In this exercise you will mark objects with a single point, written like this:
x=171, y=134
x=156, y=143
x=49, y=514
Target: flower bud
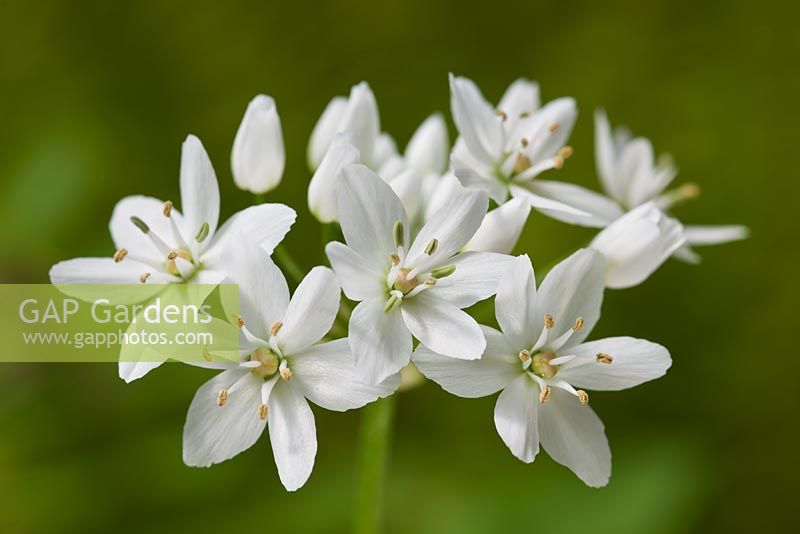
x=322, y=200
x=258, y=157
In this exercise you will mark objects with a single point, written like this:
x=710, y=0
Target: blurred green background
x=98, y=96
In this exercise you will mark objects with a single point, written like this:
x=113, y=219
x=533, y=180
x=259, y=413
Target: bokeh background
x=97, y=98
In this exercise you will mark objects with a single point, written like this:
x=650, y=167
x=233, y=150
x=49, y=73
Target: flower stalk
x=373, y=456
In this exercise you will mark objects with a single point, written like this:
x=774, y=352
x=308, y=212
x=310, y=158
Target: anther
x=565, y=152
x=544, y=395
x=395, y=258
x=167, y=210
x=143, y=278
x=583, y=397
x=431, y=247
x=553, y=127
x=239, y=320
x=524, y=142
x=578, y=326
x=524, y=355
x=444, y=271
x=689, y=190
x=502, y=114
x=262, y=412
x=202, y=234
x=399, y=233
x=120, y=255
x=549, y=323
x=558, y=162
x=522, y=163
x=206, y=354
x=286, y=373
x=172, y=255
x=602, y=357
x=430, y=282
x=524, y=115
x=140, y=225
x=275, y=328
x=222, y=397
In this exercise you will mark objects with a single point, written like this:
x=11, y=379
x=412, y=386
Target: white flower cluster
x=421, y=246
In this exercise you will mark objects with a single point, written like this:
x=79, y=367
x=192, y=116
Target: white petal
x=429, y=148
x=573, y=289
x=476, y=120
x=408, y=187
x=380, y=341
x=574, y=436
x=199, y=191
x=130, y=371
x=636, y=167
x=368, y=211
x=327, y=126
x=515, y=417
x=501, y=228
x=265, y=225
x=452, y=226
x=443, y=328
x=213, y=433
x=359, y=279
x=634, y=361
x=478, y=177
x=102, y=271
x=521, y=97
x=151, y=211
x=714, y=235
x=600, y=210
x=311, y=311
x=385, y=149
x=258, y=157
x=361, y=118
x=327, y=376
x=606, y=156
x=444, y=189
x=293, y=435
x=561, y=111
x=636, y=244
x=515, y=304
x=322, y=201
x=475, y=278
x=496, y=368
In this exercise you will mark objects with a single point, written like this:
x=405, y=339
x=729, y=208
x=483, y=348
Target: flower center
x=171, y=266
x=540, y=364
x=269, y=361
x=403, y=282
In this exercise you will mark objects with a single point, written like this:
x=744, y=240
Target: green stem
x=285, y=260
x=375, y=434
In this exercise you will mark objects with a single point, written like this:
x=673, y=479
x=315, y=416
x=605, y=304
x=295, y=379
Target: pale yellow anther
x=553, y=127
x=275, y=328
x=558, y=162
x=578, y=326
x=395, y=258
x=524, y=141
x=502, y=114
x=143, y=278
x=549, y=322
x=583, y=397
x=689, y=190
x=524, y=355
x=522, y=163
x=430, y=282
x=222, y=397
x=565, y=152
x=544, y=395
x=167, y=208
x=286, y=373
x=120, y=255
x=172, y=255
x=238, y=319
x=263, y=411
x=206, y=354
x=602, y=357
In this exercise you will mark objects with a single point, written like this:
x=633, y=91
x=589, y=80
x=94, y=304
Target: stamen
x=238, y=319
x=167, y=209
x=399, y=233
x=120, y=255
x=222, y=397
x=262, y=412
x=544, y=395
x=286, y=373
x=502, y=114
x=143, y=278
x=549, y=322
x=565, y=152
x=430, y=282
x=578, y=326
x=404, y=282
x=524, y=355
x=172, y=255
x=583, y=397
x=431, y=247
x=558, y=162
x=202, y=234
x=524, y=142
x=553, y=127
x=140, y=225
x=395, y=258
x=206, y=354
x=602, y=357
x=443, y=272
x=522, y=163
x=275, y=328
x=393, y=302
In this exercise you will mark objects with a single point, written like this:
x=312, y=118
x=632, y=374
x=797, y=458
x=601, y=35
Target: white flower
x=406, y=287
x=322, y=188
x=502, y=150
x=257, y=157
x=357, y=115
x=538, y=359
x=636, y=244
x=282, y=366
x=631, y=176
x=156, y=244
